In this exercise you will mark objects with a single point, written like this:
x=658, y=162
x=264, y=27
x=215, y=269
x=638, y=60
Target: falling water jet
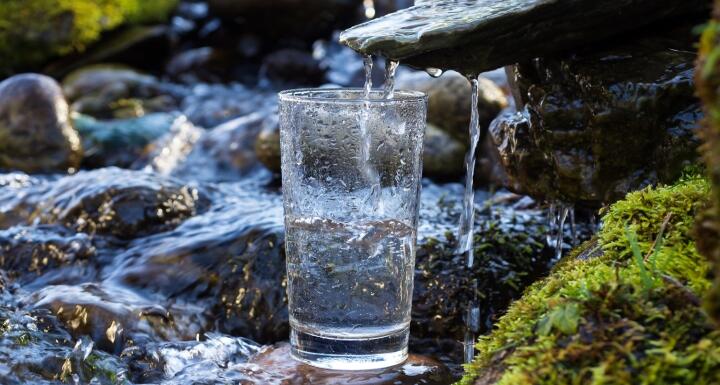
x=558, y=214
x=467, y=217
x=573, y=228
x=368, y=66
x=562, y=216
x=371, y=174
x=389, y=86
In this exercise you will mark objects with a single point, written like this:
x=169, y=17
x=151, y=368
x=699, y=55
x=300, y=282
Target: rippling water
x=174, y=272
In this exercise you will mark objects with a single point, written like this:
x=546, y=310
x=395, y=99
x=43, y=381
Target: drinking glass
x=351, y=173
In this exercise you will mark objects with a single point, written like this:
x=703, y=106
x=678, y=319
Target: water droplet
x=434, y=72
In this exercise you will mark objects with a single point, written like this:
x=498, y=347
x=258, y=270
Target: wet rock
x=218, y=359
x=267, y=147
x=275, y=367
x=139, y=46
x=443, y=155
x=232, y=268
x=290, y=18
x=221, y=359
x=114, y=318
x=449, y=100
x=19, y=194
x=112, y=91
x=204, y=64
x=510, y=254
x=292, y=67
x=476, y=36
x=120, y=143
x=596, y=125
x=36, y=134
x=36, y=349
x=35, y=250
x=122, y=203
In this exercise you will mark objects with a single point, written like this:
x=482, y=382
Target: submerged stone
x=276, y=367
x=115, y=318
x=36, y=349
x=121, y=142
x=36, y=134
x=234, y=269
x=473, y=36
x=594, y=125
x=35, y=250
x=122, y=203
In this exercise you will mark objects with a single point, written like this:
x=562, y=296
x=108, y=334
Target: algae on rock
x=60, y=27
x=622, y=309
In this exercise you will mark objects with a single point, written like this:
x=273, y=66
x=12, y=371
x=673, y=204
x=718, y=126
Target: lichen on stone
x=60, y=27
x=631, y=314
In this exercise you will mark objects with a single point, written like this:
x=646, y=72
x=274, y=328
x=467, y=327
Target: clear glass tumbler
x=351, y=170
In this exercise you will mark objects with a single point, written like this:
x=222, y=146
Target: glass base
x=349, y=354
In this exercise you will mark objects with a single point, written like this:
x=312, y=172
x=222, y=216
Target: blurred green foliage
x=33, y=31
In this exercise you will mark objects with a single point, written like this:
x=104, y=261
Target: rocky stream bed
x=141, y=221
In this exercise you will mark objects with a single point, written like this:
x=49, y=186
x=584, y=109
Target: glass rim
x=311, y=95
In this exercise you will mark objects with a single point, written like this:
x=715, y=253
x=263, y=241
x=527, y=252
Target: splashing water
x=558, y=214
x=389, y=86
x=467, y=217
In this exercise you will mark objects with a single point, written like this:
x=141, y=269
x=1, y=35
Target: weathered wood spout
x=472, y=36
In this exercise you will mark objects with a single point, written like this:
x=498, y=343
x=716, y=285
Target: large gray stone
x=473, y=36
x=36, y=134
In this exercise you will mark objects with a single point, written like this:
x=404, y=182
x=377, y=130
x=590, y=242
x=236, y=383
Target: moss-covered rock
x=708, y=85
x=624, y=309
x=60, y=27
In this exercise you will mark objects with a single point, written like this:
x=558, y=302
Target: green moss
x=620, y=317
x=60, y=27
x=707, y=79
